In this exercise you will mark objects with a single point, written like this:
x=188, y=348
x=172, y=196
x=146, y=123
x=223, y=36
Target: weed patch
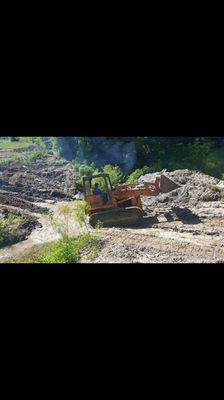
x=9, y=229
x=69, y=250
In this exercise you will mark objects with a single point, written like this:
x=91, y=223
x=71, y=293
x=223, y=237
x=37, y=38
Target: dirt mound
x=196, y=188
x=50, y=178
x=10, y=199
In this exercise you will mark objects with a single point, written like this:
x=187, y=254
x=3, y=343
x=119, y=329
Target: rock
x=79, y=196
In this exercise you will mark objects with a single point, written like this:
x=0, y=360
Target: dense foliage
x=156, y=153
x=153, y=153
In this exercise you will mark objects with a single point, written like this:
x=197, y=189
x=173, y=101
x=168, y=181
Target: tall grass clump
x=69, y=249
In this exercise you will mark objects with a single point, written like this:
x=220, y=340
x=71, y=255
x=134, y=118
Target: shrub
x=69, y=250
x=88, y=169
x=34, y=156
x=63, y=252
x=84, y=170
x=134, y=176
x=75, y=211
x=80, y=210
x=115, y=173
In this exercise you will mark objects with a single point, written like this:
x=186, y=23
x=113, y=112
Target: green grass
x=8, y=145
x=27, y=159
x=69, y=250
x=28, y=156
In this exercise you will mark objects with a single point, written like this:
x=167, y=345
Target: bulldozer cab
x=103, y=181
x=100, y=200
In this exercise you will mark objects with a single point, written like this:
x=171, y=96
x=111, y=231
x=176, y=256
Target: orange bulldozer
x=120, y=205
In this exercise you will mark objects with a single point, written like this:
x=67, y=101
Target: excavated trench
x=185, y=225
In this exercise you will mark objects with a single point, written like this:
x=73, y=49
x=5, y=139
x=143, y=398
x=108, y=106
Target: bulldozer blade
x=167, y=185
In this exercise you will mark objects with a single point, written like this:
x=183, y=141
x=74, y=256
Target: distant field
x=8, y=145
x=22, y=150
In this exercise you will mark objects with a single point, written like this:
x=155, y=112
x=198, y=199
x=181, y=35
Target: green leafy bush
x=62, y=252
x=134, y=176
x=88, y=169
x=84, y=170
x=115, y=173
x=69, y=250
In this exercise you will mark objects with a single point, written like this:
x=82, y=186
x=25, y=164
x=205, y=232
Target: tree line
x=205, y=154
x=153, y=153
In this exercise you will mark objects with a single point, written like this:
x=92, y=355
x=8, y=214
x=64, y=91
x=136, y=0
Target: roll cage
x=87, y=182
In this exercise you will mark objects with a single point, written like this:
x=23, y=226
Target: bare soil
x=183, y=226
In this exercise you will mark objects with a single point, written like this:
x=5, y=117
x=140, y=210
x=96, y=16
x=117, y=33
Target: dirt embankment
x=27, y=189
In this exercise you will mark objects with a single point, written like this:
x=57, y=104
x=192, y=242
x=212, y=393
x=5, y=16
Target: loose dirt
x=183, y=226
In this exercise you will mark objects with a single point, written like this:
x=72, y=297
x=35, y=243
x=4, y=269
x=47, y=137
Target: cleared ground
x=185, y=225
